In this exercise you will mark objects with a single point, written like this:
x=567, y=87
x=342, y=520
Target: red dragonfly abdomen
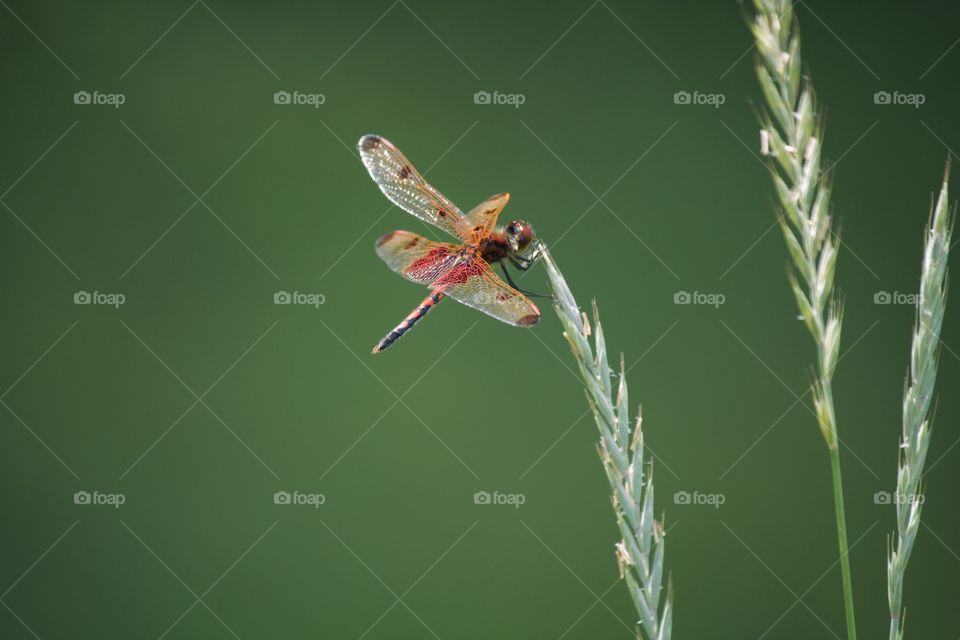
x=435, y=296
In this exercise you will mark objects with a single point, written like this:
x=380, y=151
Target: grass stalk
x=641, y=548
x=791, y=136
x=917, y=397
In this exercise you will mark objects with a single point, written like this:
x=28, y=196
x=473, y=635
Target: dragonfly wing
x=483, y=217
x=474, y=284
x=405, y=187
x=416, y=258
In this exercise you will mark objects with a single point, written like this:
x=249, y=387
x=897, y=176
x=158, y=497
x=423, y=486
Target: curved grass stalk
x=791, y=135
x=640, y=550
x=916, y=401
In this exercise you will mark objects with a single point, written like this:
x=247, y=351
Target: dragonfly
x=463, y=270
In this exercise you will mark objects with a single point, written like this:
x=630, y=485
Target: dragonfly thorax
x=494, y=247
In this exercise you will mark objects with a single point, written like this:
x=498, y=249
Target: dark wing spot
x=441, y=212
x=530, y=320
x=369, y=143
x=478, y=228
x=413, y=242
x=404, y=172
x=385, y=238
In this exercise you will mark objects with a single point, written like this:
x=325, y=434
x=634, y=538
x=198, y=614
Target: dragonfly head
x=519, y=235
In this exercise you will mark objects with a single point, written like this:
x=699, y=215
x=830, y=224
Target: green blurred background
x=199, y=398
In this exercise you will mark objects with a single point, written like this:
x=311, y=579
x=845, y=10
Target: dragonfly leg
x=529, y=294
x=525, y=262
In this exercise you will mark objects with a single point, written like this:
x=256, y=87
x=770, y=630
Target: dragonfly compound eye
x=525, y=236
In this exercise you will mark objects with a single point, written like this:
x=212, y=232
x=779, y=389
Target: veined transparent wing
x=416, y=258
x=483, y=217
x=473, y=283
x=405, y=187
